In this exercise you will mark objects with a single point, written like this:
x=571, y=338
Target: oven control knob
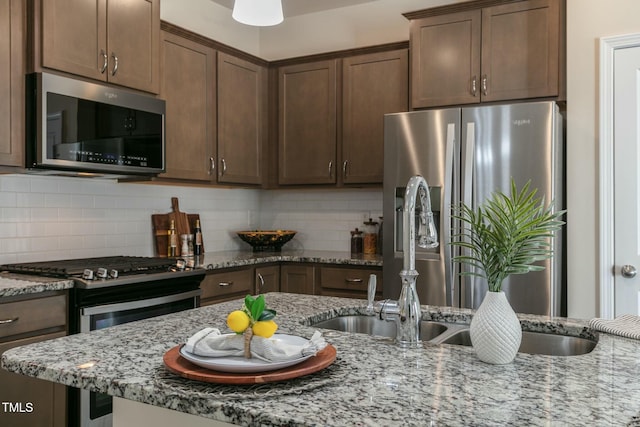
x=102, y=273
x=88, y=274
x=113, y=274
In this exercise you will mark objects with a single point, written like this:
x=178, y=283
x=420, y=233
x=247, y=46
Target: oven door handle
x=132, y=305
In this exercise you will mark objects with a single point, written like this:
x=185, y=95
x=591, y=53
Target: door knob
x=629, y=271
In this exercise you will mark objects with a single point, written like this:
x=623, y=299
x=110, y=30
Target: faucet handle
x=371, y=292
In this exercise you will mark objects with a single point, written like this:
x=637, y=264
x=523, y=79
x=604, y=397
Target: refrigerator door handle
x=446, y=212
x=467, y=282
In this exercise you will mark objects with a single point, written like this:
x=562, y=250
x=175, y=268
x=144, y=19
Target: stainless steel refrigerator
x=465, y=154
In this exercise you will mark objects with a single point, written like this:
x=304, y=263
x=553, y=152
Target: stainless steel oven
x=96, y=408
x=111, y=291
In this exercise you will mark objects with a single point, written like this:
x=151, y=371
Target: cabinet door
x=226, y=285
x=445, y=59
x=188, y=87
x=299, y=279
x=74, y=35
x=373, y=85
x=520, y=50
x=267, y=279
x=12, y=69
x=133, y=34
x=348, y=282
x=307, y=132
x=241, y=119
x=43, y=403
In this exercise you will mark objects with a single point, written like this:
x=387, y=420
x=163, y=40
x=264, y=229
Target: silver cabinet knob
x=629, y=271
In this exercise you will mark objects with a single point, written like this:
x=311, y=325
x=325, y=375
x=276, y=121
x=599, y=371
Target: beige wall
x=587, y=21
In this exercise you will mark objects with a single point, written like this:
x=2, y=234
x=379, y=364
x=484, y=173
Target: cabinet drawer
x=33, y=315
x=227, y=283
x=347, y=278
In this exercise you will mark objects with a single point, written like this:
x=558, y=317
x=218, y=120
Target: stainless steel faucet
x=406, y=310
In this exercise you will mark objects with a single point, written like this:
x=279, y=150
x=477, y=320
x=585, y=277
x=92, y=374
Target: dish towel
x=626, y=325
x=209, y=342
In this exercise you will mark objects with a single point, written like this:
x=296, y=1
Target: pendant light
x=260, y=13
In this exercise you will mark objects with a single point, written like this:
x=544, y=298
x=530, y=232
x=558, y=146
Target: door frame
x=608, y=46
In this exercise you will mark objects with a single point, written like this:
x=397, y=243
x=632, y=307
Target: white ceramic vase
x=495, y=330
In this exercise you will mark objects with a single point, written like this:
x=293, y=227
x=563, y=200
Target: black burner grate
x=125, y=265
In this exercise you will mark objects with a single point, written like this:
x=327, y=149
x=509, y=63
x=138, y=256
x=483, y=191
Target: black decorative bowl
x=266, y=240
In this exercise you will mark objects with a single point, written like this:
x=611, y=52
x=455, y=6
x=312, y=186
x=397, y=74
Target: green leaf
x=506, y=235
x=248, y=302
x=257, y=307
x=267, y=314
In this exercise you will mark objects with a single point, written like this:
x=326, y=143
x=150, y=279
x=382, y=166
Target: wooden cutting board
x=184, y=223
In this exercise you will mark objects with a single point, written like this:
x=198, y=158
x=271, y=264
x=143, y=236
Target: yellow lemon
x=238, y=321
x=264, y=328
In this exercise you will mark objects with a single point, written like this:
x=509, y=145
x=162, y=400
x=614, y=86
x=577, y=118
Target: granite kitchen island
x=372, y=382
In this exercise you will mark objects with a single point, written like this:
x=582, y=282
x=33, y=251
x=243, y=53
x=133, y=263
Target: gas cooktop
x=106, y=271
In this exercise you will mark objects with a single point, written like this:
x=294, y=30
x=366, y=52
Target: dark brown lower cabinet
x=27, y=401
x=299, y=279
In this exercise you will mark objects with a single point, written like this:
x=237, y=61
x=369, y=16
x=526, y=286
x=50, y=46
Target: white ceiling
x=302, y=7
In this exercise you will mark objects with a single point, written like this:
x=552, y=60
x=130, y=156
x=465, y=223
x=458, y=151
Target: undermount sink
x=373, y=325
x=458, y=334
x=537, y=343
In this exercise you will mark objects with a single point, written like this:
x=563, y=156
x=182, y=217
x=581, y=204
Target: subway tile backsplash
x=46, y=218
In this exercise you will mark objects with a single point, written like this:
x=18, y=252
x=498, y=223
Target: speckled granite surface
x=217, y=260
x=371, y=383
x=19, y=284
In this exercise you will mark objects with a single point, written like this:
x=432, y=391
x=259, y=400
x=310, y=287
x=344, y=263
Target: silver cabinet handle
x=484, y=84
x=344, y=168
x=261, y=279
x=115, y=64
x=223, y=169
x=212, y=165
x=330, y=168
x=7, y=321
x=474, y=86
x=105, y=61
x=225, y=284
x=629, y=271
x=354, y=280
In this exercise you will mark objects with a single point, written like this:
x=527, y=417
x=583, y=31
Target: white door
x=626, y=120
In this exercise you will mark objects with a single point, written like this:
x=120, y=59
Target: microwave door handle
x=446, y=211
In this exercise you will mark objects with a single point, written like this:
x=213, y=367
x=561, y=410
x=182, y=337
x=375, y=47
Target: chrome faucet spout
x=406, y=311
x=417, y=190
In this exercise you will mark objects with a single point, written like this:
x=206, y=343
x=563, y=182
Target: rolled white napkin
x=626, y=325
x=209, y=342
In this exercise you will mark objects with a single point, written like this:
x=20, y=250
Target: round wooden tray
x=181, y=366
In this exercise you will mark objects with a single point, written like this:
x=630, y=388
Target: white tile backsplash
x=46, y=218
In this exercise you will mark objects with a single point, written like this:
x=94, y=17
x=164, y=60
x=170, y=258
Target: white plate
x=237, y=364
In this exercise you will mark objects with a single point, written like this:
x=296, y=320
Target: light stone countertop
x=20, y=284
x=12, y=285
x=218, y=260
x=372, y=382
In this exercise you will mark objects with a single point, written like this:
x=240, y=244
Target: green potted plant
x=507, y=234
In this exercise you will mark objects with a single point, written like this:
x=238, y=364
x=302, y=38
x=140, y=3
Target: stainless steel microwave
x=78, y=127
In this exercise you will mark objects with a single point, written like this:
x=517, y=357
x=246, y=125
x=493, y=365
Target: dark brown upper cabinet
x=12, y=83
x=505, y=51
x=372, y=85
x=109, y=40
x=307, y=123
x=241, y=120
x=189, y=89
